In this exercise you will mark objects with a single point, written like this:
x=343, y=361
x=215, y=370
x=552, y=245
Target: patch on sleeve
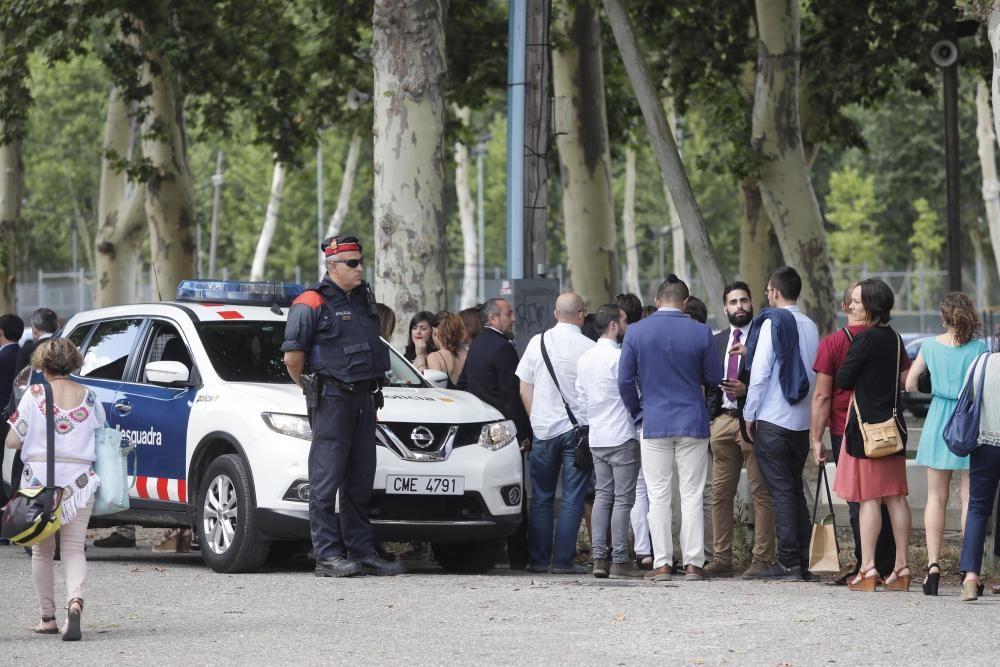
x=310, y=298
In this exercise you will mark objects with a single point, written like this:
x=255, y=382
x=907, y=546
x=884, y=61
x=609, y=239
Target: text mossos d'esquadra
x=149, y=436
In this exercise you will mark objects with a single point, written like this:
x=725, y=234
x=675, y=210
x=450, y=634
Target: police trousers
x=342, y=464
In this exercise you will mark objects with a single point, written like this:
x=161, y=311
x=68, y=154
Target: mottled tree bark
x=409, y=62
x=760, y=254
x=669, y=159
x=467, y=219
x=628, y=224
x=274, y=198
x=678, y=246
x=988, y=166
x=121, y=214
x=785, y=182
x=11, y=186
x=584, y=156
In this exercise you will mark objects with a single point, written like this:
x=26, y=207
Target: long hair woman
x=984, y=475
x=448, y=333
x=947, y=357
x=420, y=344
x=872, y=370
x=78, y=414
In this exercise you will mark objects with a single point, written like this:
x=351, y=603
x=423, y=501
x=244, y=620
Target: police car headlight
x=296, y=426
x=497, y=435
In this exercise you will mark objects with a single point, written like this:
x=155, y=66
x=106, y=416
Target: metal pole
x=952, y=176
x=217, y=182
x=320, y=215
x=515, y=138
x=481, y=220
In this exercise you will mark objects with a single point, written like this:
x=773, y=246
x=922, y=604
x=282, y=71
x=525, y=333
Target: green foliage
x=853, y=209
x=926, y=243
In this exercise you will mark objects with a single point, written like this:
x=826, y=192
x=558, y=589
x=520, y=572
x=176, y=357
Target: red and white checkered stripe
x=159, y=488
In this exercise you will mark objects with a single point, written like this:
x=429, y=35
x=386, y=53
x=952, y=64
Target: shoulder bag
x=961, y=431
x=582, y=457
x=36, y=513
x=882, y=439
x=113, y=449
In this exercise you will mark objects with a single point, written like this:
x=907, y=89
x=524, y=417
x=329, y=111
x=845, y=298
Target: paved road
x=147, y=608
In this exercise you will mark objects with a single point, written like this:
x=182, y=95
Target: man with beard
x=731, y=448
x=612, y=442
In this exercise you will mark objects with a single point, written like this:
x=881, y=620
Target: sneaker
x=575, y=568
x=755, y=568
x=663, y=573
x=115, y=541
x=601, y=568
x=810, y=576
x=778, y=572
x=718, y=568
x=537, y=569
x=626, y=571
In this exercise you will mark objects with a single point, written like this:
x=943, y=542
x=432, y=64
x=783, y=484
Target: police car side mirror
x=167, y=372
x=437, y=378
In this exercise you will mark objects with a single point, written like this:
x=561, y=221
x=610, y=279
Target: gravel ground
x=151, y=608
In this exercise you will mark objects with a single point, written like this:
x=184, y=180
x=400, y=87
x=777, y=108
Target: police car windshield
x=248, y=351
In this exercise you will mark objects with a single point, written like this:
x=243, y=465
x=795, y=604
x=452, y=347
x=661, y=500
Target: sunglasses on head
x=351, y=263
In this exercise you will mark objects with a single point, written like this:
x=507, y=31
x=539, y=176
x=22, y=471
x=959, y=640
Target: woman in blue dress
x=948, y=357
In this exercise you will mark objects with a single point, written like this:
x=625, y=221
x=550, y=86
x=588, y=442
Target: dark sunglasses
x=351, y=263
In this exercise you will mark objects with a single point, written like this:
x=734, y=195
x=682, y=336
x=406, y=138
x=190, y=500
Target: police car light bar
x=238, y=292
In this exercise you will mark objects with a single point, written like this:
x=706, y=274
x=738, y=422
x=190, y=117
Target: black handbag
x=34, y=514
x=582, y=457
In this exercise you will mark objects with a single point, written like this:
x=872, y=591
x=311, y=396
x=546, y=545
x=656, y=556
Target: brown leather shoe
x=755, y=568
x=694, y=573
x=601, y=568
x=626, y=571
x=718, y=568
x=660, y=574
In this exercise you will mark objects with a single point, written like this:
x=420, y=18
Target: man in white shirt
x=612, y=443
x=779, y=427
x=554, y=437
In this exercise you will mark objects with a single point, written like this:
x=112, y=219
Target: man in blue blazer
x=667, y=359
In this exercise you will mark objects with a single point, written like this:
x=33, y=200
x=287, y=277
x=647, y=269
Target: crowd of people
x=673, y=413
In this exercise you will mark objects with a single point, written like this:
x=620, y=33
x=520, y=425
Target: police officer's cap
x=340, y=243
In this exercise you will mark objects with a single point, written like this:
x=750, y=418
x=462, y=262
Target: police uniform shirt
x=337, y=333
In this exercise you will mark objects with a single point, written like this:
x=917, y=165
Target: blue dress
x=948, y=366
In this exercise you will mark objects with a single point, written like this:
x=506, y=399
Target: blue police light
x=238, y=292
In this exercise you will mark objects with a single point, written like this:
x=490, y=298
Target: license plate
x=424, y=485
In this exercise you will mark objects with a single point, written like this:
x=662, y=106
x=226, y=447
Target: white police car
x=223, y=439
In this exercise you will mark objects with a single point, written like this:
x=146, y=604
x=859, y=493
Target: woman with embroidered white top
x=77, y=414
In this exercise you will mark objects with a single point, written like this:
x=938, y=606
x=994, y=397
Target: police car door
x=153, y=410
x=107, y=347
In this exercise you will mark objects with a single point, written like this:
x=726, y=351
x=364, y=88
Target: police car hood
x=403, y=404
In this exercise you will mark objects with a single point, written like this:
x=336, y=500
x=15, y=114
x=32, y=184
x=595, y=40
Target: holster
x=311, y=387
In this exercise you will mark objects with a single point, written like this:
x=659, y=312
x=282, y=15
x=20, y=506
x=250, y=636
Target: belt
x=732, y=412
x=351, y=387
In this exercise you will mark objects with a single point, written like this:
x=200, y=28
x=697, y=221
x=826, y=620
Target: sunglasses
x=351, y=263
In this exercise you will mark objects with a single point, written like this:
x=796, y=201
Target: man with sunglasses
x=334, y=327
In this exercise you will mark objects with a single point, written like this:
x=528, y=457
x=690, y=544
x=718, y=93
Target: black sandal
x=932, y=580
x=72, y=632
x=39, y=630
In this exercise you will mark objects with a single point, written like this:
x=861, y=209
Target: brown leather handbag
x=883, y=438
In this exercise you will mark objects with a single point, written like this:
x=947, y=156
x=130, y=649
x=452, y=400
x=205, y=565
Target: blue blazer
x=667, y=359
x=785, y=341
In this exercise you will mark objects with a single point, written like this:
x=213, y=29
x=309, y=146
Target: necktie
x=732, y=369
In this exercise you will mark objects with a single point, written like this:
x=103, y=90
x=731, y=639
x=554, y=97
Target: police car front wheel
x=227, y=522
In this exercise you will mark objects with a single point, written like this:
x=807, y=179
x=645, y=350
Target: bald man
x=554, y=436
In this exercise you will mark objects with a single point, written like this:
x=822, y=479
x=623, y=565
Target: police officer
x=335, y=324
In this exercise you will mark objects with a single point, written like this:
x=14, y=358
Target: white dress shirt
x=726, y=403
x=565, y=344
x=765, y=400
x=597, y=392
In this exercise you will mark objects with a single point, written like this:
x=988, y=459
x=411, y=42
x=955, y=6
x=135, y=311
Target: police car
x=223, y=439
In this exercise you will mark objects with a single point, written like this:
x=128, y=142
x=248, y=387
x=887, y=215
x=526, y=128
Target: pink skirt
x=870, y=479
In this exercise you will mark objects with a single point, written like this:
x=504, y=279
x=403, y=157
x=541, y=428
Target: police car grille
x=468, y=434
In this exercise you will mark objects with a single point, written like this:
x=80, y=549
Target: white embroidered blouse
x=74, y=445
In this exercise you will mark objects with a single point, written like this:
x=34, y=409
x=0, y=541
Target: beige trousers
x=729, y=453
x=72, y=537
